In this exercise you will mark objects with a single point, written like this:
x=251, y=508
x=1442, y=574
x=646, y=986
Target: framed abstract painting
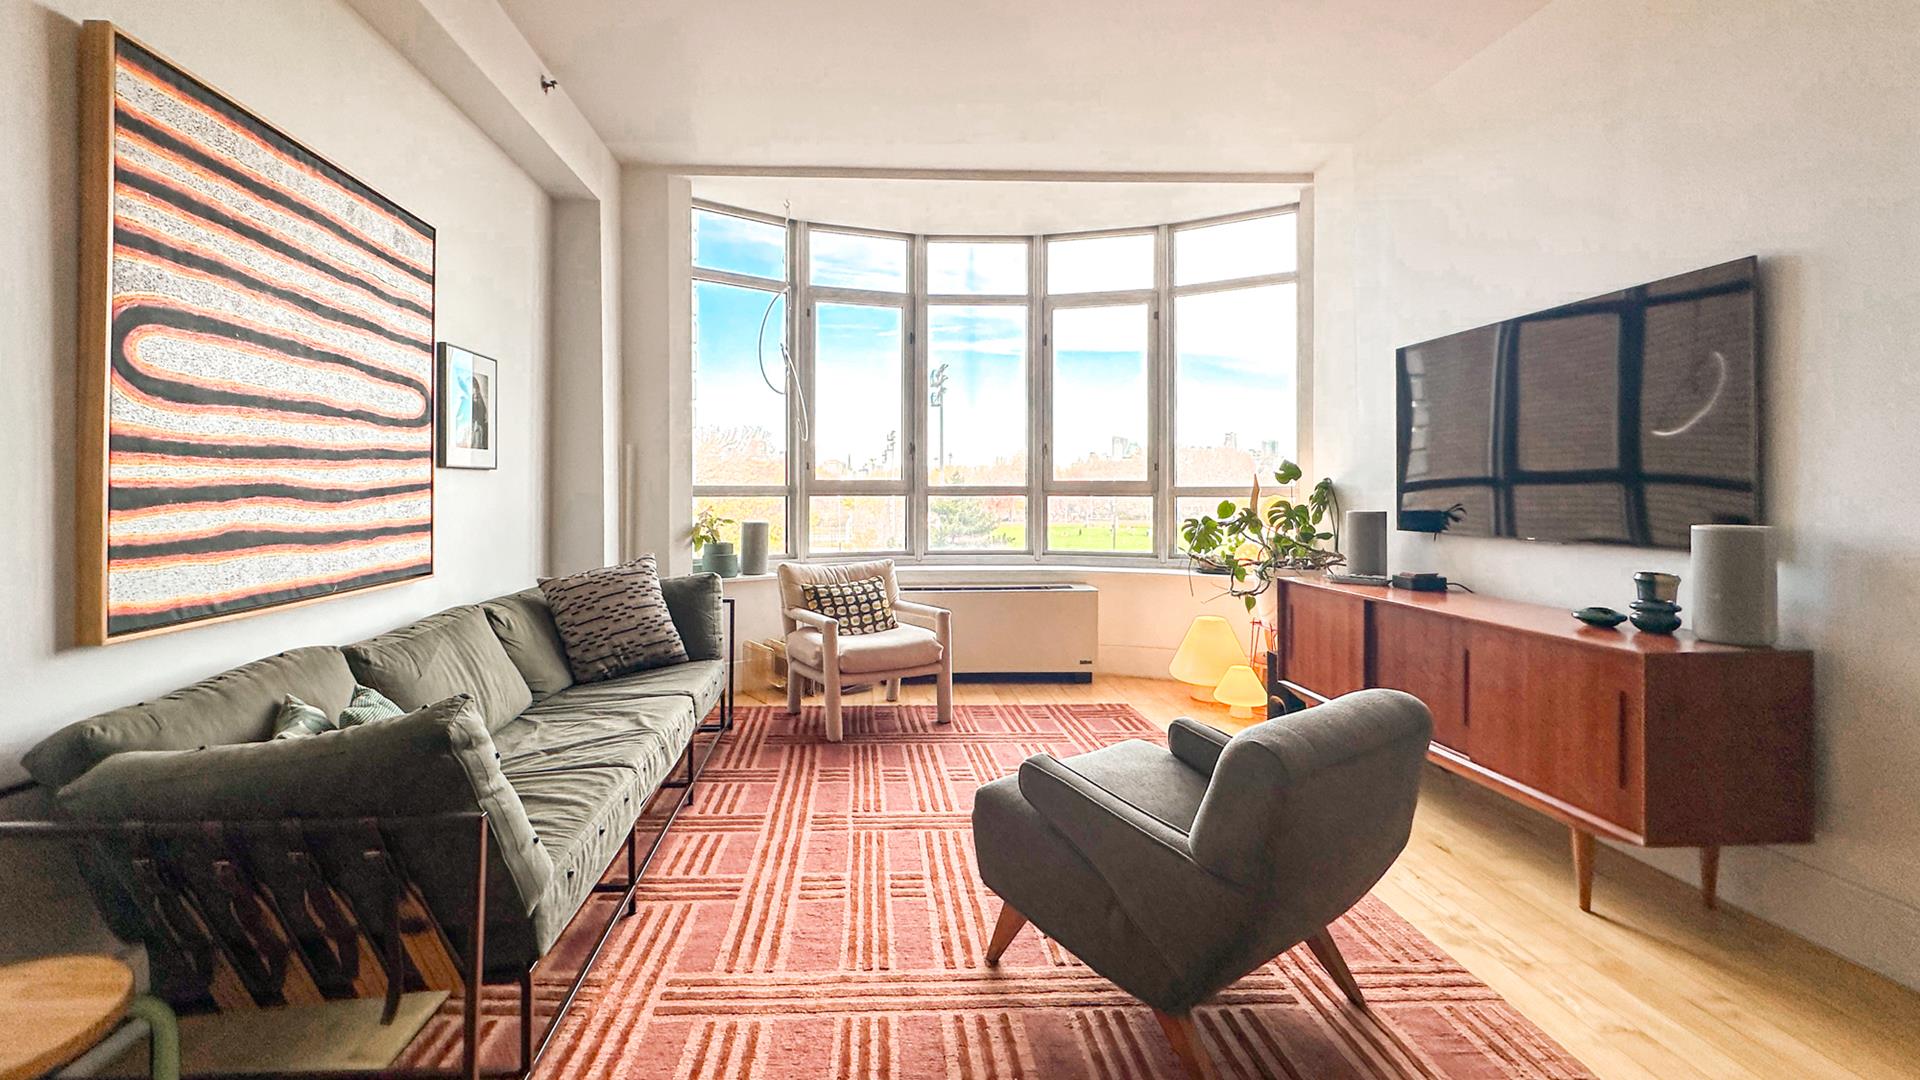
x=469, y=409
x=256, y=366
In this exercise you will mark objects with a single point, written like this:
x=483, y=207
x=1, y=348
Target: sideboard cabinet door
x=1326, y=640
x=1561, y=718
x=1425, y=655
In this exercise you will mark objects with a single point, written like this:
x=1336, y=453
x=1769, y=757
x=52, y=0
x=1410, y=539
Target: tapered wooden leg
x=1583, y=867
x=1185, y=1040
x=1328, y=953
x=1003, y=931
x=1710, y=877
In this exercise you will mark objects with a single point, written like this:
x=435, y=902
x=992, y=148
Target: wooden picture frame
x=256, y=366
x=469, y=409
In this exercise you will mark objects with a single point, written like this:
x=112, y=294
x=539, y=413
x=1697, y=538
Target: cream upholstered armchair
x=817, y=650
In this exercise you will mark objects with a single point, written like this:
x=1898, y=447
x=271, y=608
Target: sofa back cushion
x=454, y=652
x=695, y=601
x=524, y=624
x=236, y=706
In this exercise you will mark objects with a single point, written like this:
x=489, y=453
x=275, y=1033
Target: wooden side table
x=56, y=1008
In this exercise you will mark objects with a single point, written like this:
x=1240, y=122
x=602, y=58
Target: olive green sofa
x=561, y=770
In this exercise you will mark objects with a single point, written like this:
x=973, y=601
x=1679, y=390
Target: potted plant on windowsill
x=1254, y=545
x=719, y=556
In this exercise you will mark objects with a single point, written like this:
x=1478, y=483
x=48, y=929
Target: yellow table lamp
x=1240, y=688
x=1208, y=650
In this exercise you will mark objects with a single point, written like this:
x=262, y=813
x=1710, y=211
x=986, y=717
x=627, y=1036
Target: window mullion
x=805, y=407
x=1039, y=397
x=916, y=406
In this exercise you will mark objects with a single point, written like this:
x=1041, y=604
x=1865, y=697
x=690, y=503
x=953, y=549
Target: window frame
x=791, y=450
x=1161, y=484
x=1174, y=489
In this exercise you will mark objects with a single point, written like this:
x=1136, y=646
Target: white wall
x=319, y=72
x=1605, y=143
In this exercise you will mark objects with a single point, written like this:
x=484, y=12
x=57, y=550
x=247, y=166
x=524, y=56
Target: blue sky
x=1234, y=349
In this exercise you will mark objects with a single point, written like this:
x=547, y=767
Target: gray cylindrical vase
x=1365, y=542
x=753, y=547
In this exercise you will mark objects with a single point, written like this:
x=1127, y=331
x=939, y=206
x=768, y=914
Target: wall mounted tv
x=1624, y=419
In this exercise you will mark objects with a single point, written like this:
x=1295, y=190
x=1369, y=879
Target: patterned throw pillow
x=861, y=607
x=614, y=620
x=298, y=720
x=367, y=706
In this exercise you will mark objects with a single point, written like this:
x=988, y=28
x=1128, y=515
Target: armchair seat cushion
x=897, y=649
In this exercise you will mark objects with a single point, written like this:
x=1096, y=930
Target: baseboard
x=1858, y=924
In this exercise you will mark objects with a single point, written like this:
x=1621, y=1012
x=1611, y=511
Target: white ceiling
x=977, y=207
x=1230, y=85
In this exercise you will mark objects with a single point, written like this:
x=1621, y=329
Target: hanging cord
x=791, y=374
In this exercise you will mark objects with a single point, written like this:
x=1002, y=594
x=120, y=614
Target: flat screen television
x=1624, y=419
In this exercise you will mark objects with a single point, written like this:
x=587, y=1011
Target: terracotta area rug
x=817, y=913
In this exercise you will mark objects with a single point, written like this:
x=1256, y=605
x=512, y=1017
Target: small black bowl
x=1603, y=617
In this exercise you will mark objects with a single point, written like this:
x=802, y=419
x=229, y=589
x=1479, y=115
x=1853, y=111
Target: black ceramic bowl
x=1604, y=617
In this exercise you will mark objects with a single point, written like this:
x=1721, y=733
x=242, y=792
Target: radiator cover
x=1028, y=629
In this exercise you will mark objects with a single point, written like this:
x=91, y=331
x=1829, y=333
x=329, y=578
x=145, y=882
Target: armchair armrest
x=1186, y=911
x=1197, y=745
x=813, y=620
x=941, y=619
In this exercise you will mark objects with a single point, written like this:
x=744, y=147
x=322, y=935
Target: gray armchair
x=1175, y=871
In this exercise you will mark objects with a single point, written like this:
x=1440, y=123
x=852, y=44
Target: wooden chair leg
x=1185, y=1040
x=1328, y=953
x=1003, y=931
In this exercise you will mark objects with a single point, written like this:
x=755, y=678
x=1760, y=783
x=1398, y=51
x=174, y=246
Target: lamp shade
x=1205, y=654
x=1240, y=688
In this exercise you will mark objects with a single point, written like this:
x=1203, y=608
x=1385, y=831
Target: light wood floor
x=1649, y=986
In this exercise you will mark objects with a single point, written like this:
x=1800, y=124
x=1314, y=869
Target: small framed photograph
x=469, y=409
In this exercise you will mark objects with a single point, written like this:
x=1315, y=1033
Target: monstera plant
x=1254, y=544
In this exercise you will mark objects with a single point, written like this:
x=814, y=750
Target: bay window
x=990, y=398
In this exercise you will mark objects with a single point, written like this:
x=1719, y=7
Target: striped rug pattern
x=817, y=913
x=270, y=401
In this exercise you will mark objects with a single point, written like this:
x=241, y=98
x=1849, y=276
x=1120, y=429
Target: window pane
x=956, y=266
x=857, y=523
x=857, y=386
x=1100, y=393
x=977, y=395
x=771, y=509
x=1100, y=263
x=977, y=522
x=739, y=245
x=1100, y=523
x=1194, y=505
x=852, y=261
x=1235, y=249
x=1234, y=384
x=739, y=409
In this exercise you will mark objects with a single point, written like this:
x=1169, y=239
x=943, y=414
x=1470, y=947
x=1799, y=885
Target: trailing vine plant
x=1253, y=545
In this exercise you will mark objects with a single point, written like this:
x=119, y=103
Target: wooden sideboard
x=1648, y=739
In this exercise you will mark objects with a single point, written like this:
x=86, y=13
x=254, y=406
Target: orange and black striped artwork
x=268, y=393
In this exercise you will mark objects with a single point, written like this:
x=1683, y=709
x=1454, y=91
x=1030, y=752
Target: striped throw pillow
x=368, y=705
x=299, y=720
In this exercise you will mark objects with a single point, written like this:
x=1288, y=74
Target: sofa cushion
x=614, y=620
x=454, y=652
x=434, y=760
x=1153, y=780
x=236, y=706
x=902, y=647
x=700, y=682
x=524, y=624
x=584, y=762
